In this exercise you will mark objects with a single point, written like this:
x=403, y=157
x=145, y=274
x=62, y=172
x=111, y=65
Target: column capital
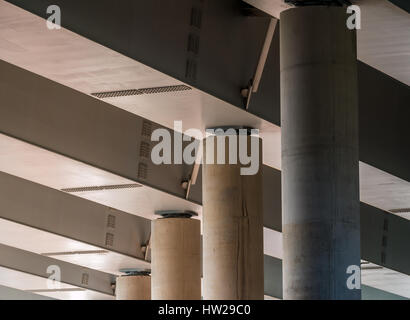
x=176, y=213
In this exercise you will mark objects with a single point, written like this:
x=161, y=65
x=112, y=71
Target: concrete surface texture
x=175, y=259
x=320, y=174
x=232, y=230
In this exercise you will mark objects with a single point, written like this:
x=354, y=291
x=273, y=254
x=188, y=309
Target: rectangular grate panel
x=84, y=278
x=196, y=17
x=190, y=69
x=146, y=130
x=142, y=170
x=111, y=221
x=109, y=239
x=145, y=149
x=193, y=43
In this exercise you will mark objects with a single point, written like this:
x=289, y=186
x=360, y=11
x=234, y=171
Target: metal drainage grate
x=135, y=92
x=55, y=290
x=401, y=210
x=69, y=253
x=165, y=89
x=99, y=188
x=115, y=94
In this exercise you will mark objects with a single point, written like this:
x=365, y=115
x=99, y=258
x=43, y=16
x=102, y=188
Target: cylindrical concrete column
x=175, y=258
x=320, y=174
x=232, y=223
x=133, y=287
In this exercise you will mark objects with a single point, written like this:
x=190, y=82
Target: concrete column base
x=175, y=259
x=133, y=288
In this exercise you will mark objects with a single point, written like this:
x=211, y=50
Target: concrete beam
x=32, y=273
x=7, y=293
x=70, y=228
x=273, y=283
x=385, y=238
x=81, y=127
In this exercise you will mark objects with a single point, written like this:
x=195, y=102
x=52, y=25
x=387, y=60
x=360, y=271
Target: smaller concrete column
x=175, y=256
x=232, y=219
x=136, y=285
